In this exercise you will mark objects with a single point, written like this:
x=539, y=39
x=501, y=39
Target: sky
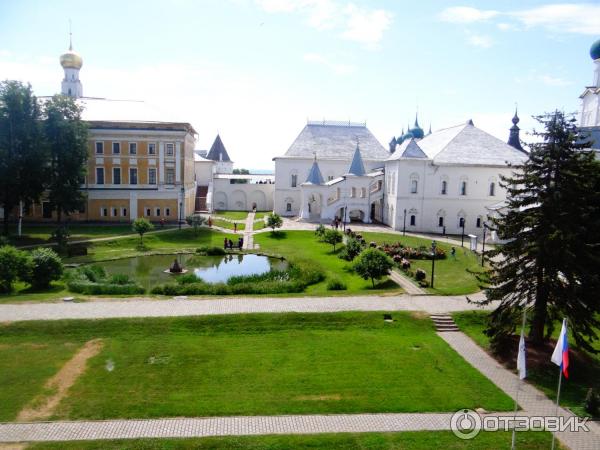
x=254, y=71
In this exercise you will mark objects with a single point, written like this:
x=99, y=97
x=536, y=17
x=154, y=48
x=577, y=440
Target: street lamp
x=462, y=238
x=181, y=206
x=483, y=244
x=404, y=228
x=433, y=247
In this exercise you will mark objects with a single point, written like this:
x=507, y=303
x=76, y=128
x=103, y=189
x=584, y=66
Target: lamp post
x=462, y=237
x=433, y=247
x=404, y=227
x=181, y=206
x=483, y=244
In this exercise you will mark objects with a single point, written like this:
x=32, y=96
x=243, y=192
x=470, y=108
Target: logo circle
x=465, y=424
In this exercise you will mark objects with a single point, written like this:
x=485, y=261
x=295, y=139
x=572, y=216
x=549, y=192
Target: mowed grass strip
x=304, y=245
x=413, y=440
x=453, y=276
x=267, y=364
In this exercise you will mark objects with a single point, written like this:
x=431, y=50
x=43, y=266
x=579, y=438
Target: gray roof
x=468, y=145
x=408, y=149
x=329, y=141
x=314, y=176
x=357, y=167
x=217, y=152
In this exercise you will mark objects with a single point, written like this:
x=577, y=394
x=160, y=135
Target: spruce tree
x=550, y=261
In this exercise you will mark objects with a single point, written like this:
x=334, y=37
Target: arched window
x=414, y=186
x=294, y=181
x=440, y=221
x=492, y=189
x=444, y=187
x=413, y=220
x=461, y=222
x=463, y=188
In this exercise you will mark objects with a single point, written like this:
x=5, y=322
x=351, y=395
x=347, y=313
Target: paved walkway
x=531, y=400
x=406, y=283
x=171, y=308
x=248, y=232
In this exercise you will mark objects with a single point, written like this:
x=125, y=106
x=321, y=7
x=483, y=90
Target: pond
x=149, y=270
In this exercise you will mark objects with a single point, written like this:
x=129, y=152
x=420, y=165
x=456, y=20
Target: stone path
x=532, y=400
x=170, y=308
x=406, y=283
x=248, y=232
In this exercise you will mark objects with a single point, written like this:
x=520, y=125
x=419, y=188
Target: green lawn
x=414, y=440
x=40, y=234
x=231, y=215
x=254, y=364
x=228, y=225
x=583, y=372
x=304, y=245
x=453, y=276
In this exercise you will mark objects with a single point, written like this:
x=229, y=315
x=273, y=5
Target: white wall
x=241, y=197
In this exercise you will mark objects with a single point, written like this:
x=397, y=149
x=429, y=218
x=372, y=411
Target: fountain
x=176, y=268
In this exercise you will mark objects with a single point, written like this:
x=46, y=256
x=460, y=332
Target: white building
x=589, y=120
x=442, y=182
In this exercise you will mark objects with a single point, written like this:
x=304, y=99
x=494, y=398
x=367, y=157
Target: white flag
x=521, y=366
x=557, y=354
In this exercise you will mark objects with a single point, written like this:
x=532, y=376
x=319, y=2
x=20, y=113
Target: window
x=444, y=187
x=116, y=148
x=492, y=189
x=363, y=192
x=99, y=175
x=116, y=175
x=104, y=212
x=478, y=224
x=133, y=148
x=167, y=212
x=288, y=207
x=157, y=212
x=440, y=221
x=99, y=148
x=124, y=212
x=148, y=212
x=152, y=148
x=353, y=192
x=414, y=185
x=170, y=175
x=329, y=177
x=413, y=220
x=463, y=188
x=133, y=175
x=170, y=149
x=461, y=222
x=294, y=180
x=151, y=176
x=114, y=212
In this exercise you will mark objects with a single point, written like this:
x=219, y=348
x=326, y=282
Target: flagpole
x=557, y=400
x=514, y=431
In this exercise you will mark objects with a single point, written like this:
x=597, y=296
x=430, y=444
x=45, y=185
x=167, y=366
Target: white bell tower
x=71, y=63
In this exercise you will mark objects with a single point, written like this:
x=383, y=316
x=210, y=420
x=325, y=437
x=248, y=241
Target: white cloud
x=549, y=80
x=363, y=25
x=4, y=53
x=579, y=18
x=466, y=14
x=339, y=69
x=479, y=40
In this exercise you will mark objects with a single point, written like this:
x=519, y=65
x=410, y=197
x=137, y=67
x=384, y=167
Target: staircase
x=201, y=193
x=443, y=322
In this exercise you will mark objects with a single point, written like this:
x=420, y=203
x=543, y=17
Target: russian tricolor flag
x=560, y=356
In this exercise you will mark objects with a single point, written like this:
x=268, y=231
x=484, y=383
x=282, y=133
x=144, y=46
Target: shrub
x=92, y=280
x=420, y=275
x=195, y=221
x=14, y=264
x=592, y=403
x=373, y=264
x=352, y=249
x=336, y=284
x=210, y=250
x=61, y=236
x=372, y=244
x=320, y=231
x=119, y=278
x=424, y=283
x=46, y=266
x=187, y=278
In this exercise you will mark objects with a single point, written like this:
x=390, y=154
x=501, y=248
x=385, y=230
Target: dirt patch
x=13, y=446
x=317, y=398
x=43, y=407
x=419, y=315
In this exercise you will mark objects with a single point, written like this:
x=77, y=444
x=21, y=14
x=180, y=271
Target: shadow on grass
x=279, y=235
x=53, y=288
x=387, y=284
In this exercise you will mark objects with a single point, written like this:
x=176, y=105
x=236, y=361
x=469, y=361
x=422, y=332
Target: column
x=161, y=163
x=177, y=162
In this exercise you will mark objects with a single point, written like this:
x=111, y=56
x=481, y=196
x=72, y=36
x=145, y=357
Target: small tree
x=274, y=221
x=142, y=225
x=352, y=249
x=320, y=231
x=14, y=264
x=373, y=264
x=195, y=221
x=46, y=267
x=332, y=237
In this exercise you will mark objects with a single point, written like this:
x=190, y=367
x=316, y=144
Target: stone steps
x=443, y=322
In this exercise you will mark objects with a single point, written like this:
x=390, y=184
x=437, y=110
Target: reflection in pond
x=149, y=270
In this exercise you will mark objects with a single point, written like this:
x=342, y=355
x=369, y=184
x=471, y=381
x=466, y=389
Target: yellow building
x=137, y=166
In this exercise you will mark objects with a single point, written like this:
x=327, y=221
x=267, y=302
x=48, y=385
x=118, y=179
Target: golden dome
x=71, y=60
